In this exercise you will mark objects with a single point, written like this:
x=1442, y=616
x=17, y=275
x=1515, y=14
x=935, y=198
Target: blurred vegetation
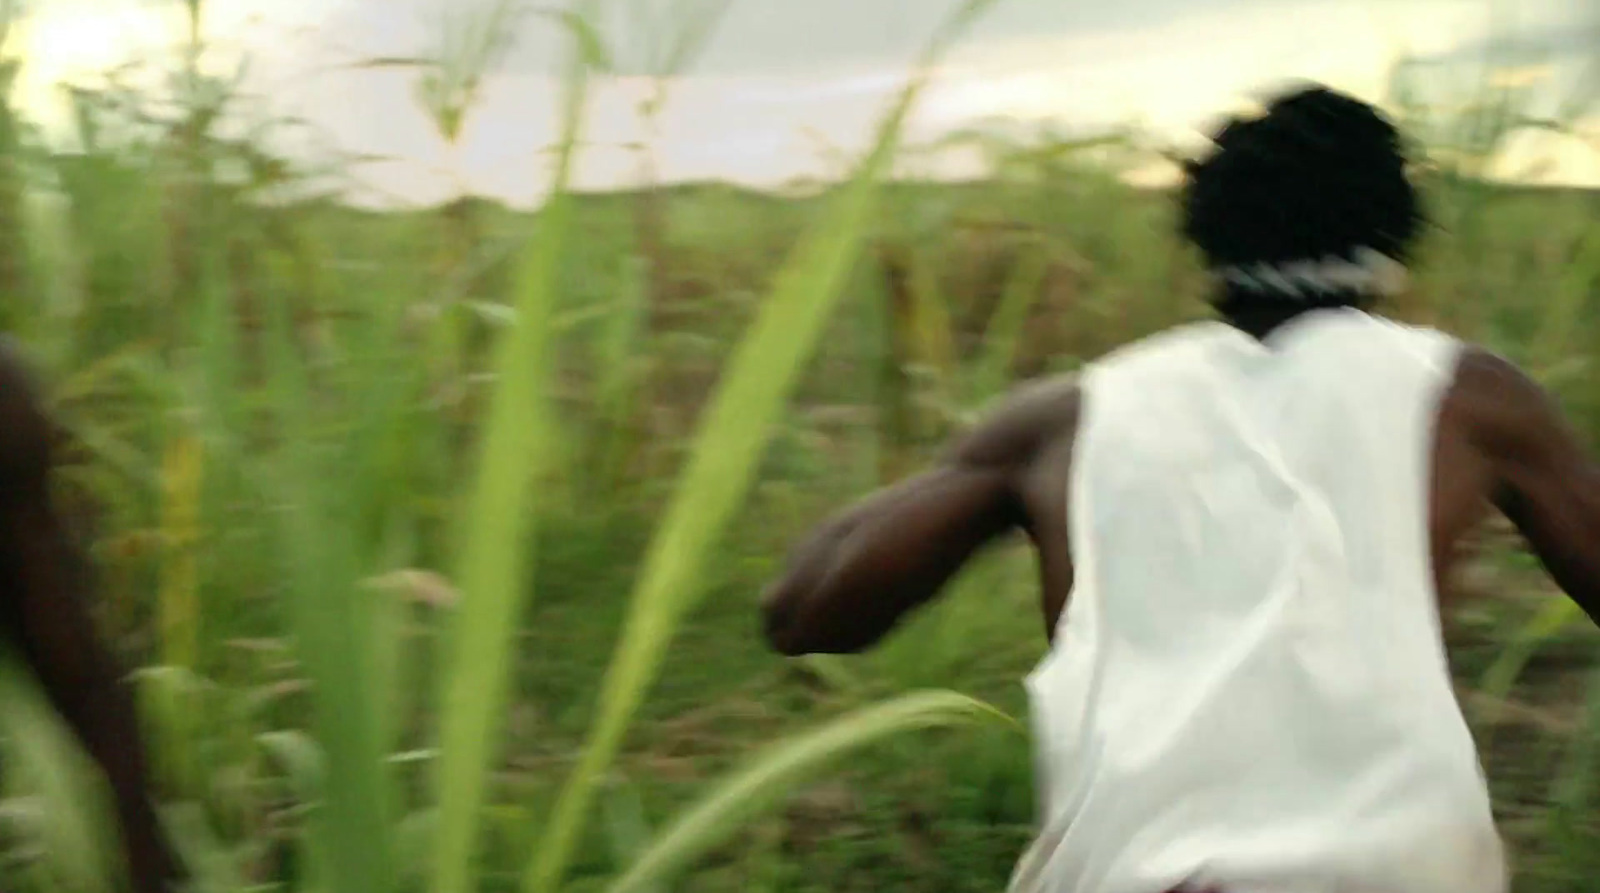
x=368, y=492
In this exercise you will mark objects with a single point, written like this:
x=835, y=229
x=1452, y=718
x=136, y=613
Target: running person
x=44, y=616
x=1247, y=690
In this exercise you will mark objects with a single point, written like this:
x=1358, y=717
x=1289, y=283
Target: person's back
x=1242, y=530
x=1248, y=686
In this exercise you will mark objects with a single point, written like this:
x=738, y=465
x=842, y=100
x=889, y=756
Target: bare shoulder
x=1482, y=373
x=1023, y=424
x=1498, y=404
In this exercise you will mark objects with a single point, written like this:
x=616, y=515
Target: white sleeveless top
x=1248, y=690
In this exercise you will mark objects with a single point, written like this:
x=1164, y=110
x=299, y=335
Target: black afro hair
x=1319, y=175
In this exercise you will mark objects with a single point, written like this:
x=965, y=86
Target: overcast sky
x=782, y=78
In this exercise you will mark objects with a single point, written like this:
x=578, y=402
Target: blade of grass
x=1498, y=680
x=494, y=572
x=619, y=353
x=74, y=822
x=932, y=334
x=170, y=700
x=781, y=766
x=1564, y=312
x=178, y=597
x=333, y=637
x=301, y=762
x=992, y=368
x=748, y=400
x=217, y=867
x=628, y=827
x=1573, y=789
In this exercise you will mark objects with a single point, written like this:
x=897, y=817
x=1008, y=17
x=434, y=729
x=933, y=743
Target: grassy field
x=437, y=534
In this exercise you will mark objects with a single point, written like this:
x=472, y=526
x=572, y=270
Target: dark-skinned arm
x=863, y=570
x=1544, y=481
x=44, y=614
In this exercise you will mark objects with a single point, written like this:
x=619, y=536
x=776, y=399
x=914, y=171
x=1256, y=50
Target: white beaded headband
x=1367, y=271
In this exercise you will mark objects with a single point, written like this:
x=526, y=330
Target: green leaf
x=333, y=633
x=303, y=763
x=1554, y=617
x=780, y=767
x=39, y=749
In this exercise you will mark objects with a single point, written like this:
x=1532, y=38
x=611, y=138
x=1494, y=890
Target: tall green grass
x=723, y=460
x=775, y=771
x=515, y=446
x=377, y=660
